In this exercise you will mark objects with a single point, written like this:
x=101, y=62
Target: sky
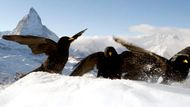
x=101, y=17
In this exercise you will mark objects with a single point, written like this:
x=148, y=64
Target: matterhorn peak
x=31, y=24
x=33, y=11
x=33, y=16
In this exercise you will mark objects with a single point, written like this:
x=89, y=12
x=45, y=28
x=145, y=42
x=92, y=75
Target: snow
x=53, y=90
x=42, y=89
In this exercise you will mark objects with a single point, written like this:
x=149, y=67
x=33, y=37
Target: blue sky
x=101, y=17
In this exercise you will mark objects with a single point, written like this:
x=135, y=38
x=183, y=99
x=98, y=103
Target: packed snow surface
x=53, y=90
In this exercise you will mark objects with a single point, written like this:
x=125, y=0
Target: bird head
x=65, y=40
x=181, y=62
x=110, y=52
x=68, y=40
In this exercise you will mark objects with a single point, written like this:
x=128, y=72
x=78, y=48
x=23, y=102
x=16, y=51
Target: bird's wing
x=139, y=58
x=87, y=64
x=38, y=45
x=78, y=34
x=139, y=66
x=135, y=48
x=130, y=46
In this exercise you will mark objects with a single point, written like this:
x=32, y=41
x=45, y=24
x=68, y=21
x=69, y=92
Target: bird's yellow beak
x=185, y=61
x=71, y=39
x=110, y=53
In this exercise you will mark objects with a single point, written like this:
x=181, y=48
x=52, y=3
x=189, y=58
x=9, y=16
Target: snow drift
x=52, y=90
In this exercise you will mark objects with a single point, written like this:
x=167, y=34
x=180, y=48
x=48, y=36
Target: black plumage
x=137, y=64
x=124, y=64
x=107, y=63
x=57, y=53
x=141, y=64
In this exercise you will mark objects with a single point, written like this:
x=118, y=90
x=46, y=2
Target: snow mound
x=53, y=90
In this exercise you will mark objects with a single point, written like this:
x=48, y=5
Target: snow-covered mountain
x=19, y=56
x=31, y=24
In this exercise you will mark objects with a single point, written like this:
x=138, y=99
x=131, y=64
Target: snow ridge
x=53, y=90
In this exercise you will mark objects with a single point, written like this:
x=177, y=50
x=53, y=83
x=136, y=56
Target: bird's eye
x=185, y=61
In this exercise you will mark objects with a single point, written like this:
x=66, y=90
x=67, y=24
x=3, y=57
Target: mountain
x=19, y=56
x=31, y=24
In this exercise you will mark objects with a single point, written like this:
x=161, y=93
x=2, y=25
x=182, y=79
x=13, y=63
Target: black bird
x=124, y=65
x=180, y=63
x=141, y=64
x=57, y=53
x=138, y=64
x=107, y=63
x=129, y=64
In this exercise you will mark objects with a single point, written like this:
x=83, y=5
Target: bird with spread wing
x=57, y=53
x=174, y=69
x=137, y=63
